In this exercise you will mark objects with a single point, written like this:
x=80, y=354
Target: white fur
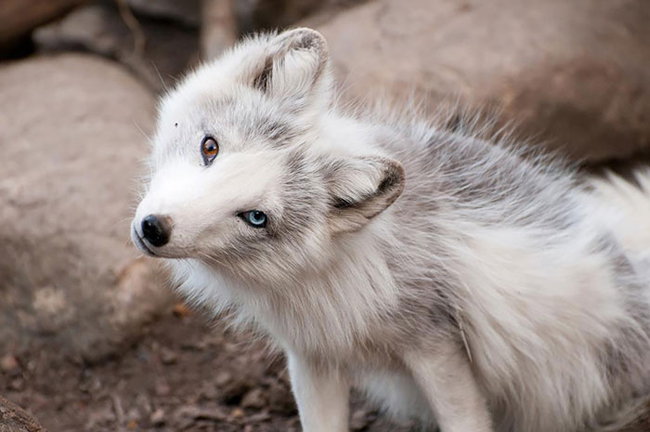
x=491, y=311
x=322, y=397
x=451, y=390
x=626, y=208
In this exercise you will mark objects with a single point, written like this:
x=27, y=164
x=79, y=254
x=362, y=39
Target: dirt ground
x=184, y=375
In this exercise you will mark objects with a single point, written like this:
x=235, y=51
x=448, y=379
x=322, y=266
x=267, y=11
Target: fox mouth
x=140, y=243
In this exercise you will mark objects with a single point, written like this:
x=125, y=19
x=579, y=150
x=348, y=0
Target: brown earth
x=183, y=376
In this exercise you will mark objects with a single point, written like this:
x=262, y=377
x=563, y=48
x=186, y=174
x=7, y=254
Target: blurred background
x=91, y=338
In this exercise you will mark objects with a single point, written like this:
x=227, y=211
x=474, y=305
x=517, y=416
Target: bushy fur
x=452, y=278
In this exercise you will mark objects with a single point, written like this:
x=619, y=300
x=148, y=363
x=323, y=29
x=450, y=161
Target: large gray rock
x=72, y=145
x=574, y=73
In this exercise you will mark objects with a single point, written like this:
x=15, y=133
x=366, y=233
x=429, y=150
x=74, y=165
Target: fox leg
x=446, y=379
x=322, y=396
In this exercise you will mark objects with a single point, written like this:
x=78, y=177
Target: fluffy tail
x=628, y=202
x=625, y=207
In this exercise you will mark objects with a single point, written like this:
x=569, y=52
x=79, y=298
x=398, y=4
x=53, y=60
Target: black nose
x=156, y=229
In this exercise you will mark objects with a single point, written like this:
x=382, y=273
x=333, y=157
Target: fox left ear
x=296, y=65
x=360, y=189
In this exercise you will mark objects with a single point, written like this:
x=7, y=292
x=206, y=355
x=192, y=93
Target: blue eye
x=254, y=218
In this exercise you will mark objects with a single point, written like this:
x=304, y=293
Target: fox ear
x=295, y=66
x=360, y=189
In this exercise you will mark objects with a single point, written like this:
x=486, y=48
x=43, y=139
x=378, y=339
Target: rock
x=17, y=384
x=223, y=21
x=168, y=356
x=19, y=17
x=15, y=419
x=223, y=378
x=573, y=73
x=255, y=15
x=256, y=398
x=201, y=413
x=102, y=416
x=72, y=142
x=237, y=413
x=9, y=364
x=157, y=418
x=209, y=391
x=157, y=51
x=162, y=389
x=185, y=12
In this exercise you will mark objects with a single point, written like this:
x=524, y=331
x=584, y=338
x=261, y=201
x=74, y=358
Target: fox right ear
x=295, y=66
x=361, y=188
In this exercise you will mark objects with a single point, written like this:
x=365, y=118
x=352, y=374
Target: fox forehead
x=237, y=117
x=224, y=99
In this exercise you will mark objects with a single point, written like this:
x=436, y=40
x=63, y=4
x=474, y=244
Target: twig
x=139, y=39
x=119, y=410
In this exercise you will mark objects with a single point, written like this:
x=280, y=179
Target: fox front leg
x=446, y=379
x=322, y=396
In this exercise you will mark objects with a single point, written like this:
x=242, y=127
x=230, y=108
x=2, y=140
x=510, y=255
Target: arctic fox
x=452, y=279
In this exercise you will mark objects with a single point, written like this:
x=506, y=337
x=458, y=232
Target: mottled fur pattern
x=453, y=279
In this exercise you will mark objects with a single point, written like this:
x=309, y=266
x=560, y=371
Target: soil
x=183, y=375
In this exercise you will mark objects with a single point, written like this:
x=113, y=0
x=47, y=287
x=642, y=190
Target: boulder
x=255, y=15
x=223, y=21
x=72, y=144
x=19, y=17
x=186, y=12
x=571, y=73
x=156, y=49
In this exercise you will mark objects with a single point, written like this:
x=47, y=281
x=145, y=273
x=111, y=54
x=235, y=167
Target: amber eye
x=209, y=149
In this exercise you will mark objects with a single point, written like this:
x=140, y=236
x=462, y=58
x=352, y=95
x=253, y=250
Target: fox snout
x=156, y=229
x=153, y=230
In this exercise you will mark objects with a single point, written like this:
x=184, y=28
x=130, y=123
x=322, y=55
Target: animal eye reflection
x=254, y=218
x=209, y=149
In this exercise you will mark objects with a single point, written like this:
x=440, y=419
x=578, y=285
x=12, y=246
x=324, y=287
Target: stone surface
x=156, y=50
x=572, y=73
x=15, y=419
x=185, y=12
x=223, y=21
x=19, y=17
x=72, y=146
x=255, y=15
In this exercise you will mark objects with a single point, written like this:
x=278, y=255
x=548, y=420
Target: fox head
x=244, y=175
